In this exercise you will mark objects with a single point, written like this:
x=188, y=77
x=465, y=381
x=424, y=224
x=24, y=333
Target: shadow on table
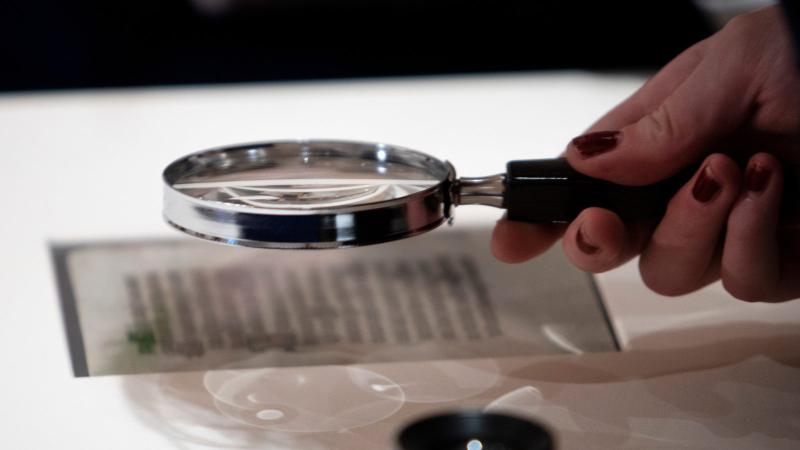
x=739, y=384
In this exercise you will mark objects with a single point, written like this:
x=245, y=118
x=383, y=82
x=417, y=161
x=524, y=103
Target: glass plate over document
x=328, y=194
x=177, y=305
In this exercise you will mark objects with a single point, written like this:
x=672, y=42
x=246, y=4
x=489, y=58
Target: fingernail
x=706, y=187
x=595, y=143
x=583, y=245
x=756, y=178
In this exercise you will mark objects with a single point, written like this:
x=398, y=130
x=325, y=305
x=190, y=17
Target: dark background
x=55, y=44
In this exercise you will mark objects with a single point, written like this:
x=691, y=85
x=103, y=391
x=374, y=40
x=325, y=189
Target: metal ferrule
x=488, y=191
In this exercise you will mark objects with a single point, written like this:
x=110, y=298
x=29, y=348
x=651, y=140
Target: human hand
x=736, y=92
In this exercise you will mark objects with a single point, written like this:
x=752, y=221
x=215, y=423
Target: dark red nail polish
x=595, y=143
x=706, y=187
x=756, y=178
x=584, y=246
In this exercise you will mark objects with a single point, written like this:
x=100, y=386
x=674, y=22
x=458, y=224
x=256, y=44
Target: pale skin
x=733, y=96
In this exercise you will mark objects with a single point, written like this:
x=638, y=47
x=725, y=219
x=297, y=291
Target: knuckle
x=695, y=54
x=744, y=39
x=744, y=25
x=737, y=25
x=663, y=124
x=661, y=127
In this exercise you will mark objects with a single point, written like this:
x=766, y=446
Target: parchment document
x=172, y=305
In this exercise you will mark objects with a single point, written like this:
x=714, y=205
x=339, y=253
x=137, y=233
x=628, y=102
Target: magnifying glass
x=314, y=194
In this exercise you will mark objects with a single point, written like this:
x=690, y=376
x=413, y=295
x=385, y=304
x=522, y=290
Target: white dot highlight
x=269, y=414
x=474, y=445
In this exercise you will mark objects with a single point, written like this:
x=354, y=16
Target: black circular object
x=474, y=430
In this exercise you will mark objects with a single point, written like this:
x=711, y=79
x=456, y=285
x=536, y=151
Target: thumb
x=680, y=130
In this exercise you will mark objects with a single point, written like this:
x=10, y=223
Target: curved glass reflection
x=310, y=399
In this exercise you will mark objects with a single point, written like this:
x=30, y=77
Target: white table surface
x=701, y=371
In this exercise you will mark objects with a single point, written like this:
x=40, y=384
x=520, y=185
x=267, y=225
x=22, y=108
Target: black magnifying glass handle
x=550, y=190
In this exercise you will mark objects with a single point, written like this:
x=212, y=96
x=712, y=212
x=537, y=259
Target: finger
x=515, y=242
x=680, y=256
x=751, y=268
x=654, y=91
x=598, y=240
x=673, y=134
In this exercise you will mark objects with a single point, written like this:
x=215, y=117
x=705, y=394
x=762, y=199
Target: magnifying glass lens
x=309, y=176
x=257, y=194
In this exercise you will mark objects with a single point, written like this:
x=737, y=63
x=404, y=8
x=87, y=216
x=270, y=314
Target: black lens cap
x=474, y=430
